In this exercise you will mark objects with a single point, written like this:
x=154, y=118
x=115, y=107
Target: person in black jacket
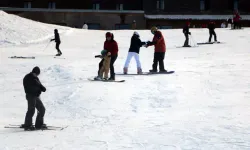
x=58, y=42
x=211, y=27
x=33, y=89
x=186, y=33
x=134, y=51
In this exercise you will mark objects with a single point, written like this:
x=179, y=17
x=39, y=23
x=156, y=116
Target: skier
x=160, y=49
x=186, y=33
x=105, y=65
x=111, y=46
x=58, y=42
x=211, y=27
x=236, y=20
x=134, y=50
x=33, y=88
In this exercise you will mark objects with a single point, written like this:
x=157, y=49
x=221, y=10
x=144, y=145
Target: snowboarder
x=211, y=27
x=33, y=88
x=105, y=65
x=160, y=49
x=111, y=46
x=58, y=42
x=134, y=50
x=186, y=33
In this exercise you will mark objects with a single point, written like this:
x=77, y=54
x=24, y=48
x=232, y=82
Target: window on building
x=27, y=4
x=52, y=5
x=96, y=6
x=202, y=5
x=236, y=4
x=160, y=5
x=119, y=6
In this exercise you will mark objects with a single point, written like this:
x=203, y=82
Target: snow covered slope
x=18, y=30
x=204, y=105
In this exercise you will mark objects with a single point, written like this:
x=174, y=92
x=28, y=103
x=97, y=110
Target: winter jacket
x=186, y=29
x=211, y=26
x=57, y=38
x=112, y=47
x=32, y=85
x=158, y=42
x=136, y=44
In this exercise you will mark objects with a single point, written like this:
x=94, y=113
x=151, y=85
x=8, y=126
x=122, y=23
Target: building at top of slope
x=126, y=14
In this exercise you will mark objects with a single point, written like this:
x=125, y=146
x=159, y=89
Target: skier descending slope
x=58, y=42
x=160, y=49
x=134, y=50
x=111, y=46
x=211, y=27
x=186, y=33
x=33, y=89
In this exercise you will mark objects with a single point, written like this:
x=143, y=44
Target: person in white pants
x=134, y=51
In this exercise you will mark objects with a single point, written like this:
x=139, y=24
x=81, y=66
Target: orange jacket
x=158, y=42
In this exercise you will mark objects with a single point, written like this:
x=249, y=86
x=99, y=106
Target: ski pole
x=46, y=46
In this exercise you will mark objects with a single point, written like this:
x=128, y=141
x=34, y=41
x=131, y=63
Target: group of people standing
x=211, y=28
x=110, y=54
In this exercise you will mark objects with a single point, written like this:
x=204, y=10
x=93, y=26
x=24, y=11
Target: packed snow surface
x=204, y=105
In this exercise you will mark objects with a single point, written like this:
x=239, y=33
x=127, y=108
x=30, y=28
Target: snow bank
x=18, y=30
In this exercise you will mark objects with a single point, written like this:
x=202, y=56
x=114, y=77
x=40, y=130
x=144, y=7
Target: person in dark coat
x=134, y=51
x=33, y=89
x=58, y=42
x=111, y=46
x=211, y=27
x=186, y=33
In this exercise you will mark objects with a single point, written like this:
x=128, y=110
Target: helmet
x=136, y=33
x=108, y=34
x=56, y=30
x=154, y=29
x=104, y=52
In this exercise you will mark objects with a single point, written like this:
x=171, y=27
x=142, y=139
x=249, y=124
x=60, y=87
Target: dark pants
x=57, y=47
x=159, y=57
x=34, y=102
x=187, y=40
x=212, y=33
x=112, y=70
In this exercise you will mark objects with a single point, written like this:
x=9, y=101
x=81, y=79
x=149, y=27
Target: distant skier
x=58, y=42
x=211, y=27
x=105, y=65
x=186, y=33
x=134, y=51
x=236, y=19
x=33, y=88
x=111, y=46
x=160, y=49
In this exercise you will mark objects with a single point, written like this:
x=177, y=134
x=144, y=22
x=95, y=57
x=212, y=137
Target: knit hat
x=36, y=70
x=136, y=33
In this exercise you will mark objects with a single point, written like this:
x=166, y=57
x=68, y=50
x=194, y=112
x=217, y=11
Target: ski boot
x=153, y=71
x=125, y=70
x=139, y=71
x=41, y=127
x=29, y=128
x=97, y=78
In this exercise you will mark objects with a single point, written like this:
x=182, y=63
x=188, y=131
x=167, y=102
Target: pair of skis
x=48, y=127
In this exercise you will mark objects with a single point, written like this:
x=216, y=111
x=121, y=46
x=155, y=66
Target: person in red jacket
x=160, y=49
x=111, y=46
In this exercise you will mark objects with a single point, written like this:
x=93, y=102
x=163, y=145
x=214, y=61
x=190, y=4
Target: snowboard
x=21, y=57
x=90, y=79
x=208, y=43
x=48, y=127
x=146, y=73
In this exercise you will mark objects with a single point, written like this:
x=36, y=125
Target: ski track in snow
x=203, y=105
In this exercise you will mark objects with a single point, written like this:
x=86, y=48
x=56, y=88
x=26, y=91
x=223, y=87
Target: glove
x=43, y=88
x=189, y=33
x=51, y=40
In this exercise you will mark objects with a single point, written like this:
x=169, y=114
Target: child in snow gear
x=105, y=65
x=186, y=33
x=160, y=49
x=58, y=42
x=134, y=50
x=33, y=88
x=211, y=27
x=111, y=46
